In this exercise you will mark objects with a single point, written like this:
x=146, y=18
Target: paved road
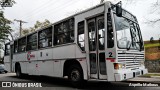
x=63, y=84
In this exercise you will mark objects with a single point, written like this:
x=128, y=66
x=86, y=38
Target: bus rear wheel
x=18, y=71
x=75, y=75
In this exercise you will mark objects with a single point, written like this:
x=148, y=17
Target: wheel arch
x=16, y=65
x=68, y=63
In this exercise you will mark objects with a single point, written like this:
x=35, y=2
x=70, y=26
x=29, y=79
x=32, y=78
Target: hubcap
x=75, y=75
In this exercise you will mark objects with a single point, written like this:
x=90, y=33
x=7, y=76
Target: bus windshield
x=128, y=32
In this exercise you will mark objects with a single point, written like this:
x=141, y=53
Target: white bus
x=103, y=43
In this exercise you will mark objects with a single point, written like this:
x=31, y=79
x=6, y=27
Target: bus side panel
x=45, y=54
x=32, y=66
x=83, y=61
x=45, y=68
x=64, y=52
x=58, y=68
x=59, y=55
x=22, y=58
x=7, y=63
x=45, y=62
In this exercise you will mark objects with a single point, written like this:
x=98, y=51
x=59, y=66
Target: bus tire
x=75, y=75
x=18, y=71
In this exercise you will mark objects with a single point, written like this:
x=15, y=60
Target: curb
x=158, y=77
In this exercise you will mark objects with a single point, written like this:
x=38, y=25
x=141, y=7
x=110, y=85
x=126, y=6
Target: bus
x=102, y=43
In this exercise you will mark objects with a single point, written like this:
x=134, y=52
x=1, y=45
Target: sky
x=54, y=10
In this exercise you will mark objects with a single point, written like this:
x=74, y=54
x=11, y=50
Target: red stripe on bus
x=111, y=59
x=81, y=59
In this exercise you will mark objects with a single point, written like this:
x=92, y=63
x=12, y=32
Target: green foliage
x=5, y=28
x=38, y=25
x=151, y=45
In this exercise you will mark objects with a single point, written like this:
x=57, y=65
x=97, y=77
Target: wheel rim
x=75, y=75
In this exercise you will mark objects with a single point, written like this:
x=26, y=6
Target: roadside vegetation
x=151, y=45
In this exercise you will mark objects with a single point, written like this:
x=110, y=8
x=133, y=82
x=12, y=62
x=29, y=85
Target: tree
x=154, y=10
x=151, y=39
x=5, y=29
x=12, y=2
x=38, y=25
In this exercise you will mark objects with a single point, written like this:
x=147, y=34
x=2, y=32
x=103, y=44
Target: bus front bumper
x=131, y=74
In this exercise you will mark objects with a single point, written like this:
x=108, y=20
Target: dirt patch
x=152, y=53
x=152, y=50
x=148, y=42
x=152, y=56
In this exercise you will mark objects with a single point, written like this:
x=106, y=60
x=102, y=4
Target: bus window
x=64, y=32
x=45, y=38
x=22, y=44
x=81, y=35
x=92, y=36
x=15, y=47
x=32, y=42
x=101, y=33
x=7, y=49
x=110, y=40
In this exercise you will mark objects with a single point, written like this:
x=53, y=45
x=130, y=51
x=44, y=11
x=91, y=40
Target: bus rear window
x=7, y=49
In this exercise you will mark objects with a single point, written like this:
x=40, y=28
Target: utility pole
x=20, y=25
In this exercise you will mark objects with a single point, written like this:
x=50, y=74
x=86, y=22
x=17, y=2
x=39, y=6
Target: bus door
x=96, y=36
x=11, y=57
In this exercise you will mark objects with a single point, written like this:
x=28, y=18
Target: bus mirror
x=119, y=9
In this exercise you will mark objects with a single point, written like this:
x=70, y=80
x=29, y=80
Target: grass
x=151, y=45
x=148, y=75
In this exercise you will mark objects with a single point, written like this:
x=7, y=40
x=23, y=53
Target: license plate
x=137, y=73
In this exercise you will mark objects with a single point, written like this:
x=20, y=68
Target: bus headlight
x=119, y=66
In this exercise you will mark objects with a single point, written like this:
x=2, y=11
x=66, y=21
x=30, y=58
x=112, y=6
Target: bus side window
x=32, y=42
x=22, y=44
x=80, y=38
x=45, y=38
x=64, y=32
x=110, y=40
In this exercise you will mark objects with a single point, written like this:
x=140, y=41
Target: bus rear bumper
x=132, y=74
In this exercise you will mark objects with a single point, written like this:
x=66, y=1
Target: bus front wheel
x=75, y=75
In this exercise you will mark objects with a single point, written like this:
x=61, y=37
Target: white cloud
x=53, y=10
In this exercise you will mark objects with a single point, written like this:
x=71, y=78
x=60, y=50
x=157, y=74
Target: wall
x=153, y=66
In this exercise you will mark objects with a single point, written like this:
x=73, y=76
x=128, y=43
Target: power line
x=35, y=9
x=55, y=10
x=47, y=4
x=60, y=6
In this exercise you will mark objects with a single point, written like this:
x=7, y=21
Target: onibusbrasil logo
x=30, y=55
x=20, y=84
x=6, y=3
